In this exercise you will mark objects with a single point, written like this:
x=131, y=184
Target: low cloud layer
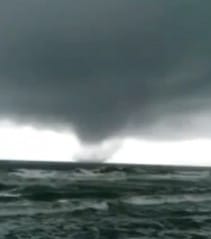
x=108, y=68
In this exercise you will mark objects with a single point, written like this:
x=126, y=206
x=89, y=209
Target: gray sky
x=108, y=67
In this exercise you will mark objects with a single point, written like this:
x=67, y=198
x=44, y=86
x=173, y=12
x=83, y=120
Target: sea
x=103, y=201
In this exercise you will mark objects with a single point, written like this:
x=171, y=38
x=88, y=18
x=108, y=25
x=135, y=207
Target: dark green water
x=105, y=202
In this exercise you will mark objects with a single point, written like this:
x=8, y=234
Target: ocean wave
x=177, y=175
x=29, y=209
x=77, y=174
x=9, y=196
x=193, y=174
x=167, y=199
x=115, y=202
x=34, y=174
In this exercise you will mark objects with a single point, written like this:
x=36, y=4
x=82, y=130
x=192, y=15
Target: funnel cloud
x=108, y=68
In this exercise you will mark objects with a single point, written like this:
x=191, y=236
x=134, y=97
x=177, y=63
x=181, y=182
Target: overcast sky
x=108, y=68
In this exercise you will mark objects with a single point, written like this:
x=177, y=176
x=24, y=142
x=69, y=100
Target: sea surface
x=106, y=201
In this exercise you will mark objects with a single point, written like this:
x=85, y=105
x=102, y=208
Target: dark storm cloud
x=106, y=67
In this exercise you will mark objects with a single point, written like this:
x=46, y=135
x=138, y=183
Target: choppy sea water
x=124, y=202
